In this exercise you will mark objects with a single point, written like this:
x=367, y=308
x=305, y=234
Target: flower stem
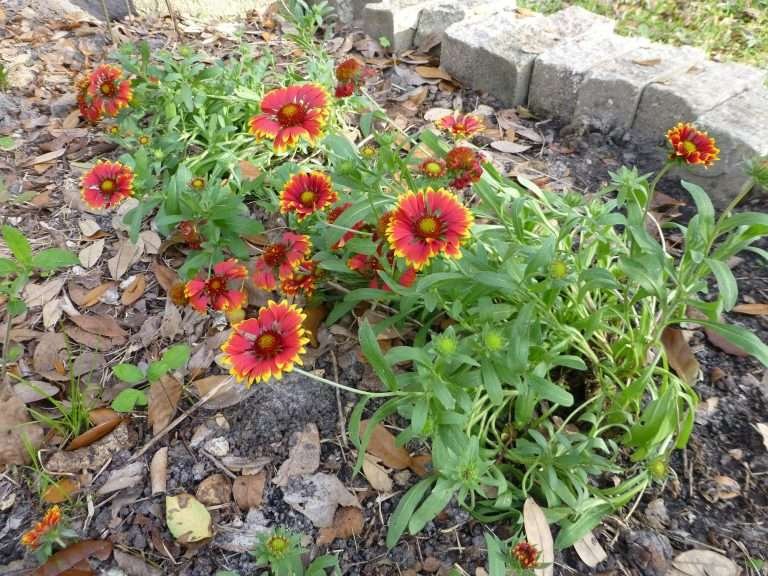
x=655, y=182
x=348, y=388
x=745, y=189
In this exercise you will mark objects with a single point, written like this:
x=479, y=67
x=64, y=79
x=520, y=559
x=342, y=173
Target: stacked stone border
x=572, y=67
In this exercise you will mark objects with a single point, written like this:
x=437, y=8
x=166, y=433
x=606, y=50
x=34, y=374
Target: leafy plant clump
x=531, y=322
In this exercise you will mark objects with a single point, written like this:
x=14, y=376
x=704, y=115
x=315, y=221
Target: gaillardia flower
x=344, y=90
x=282, y=257
x=526, y=554
x=306, y=193
x=461, y=126
x=107, y=184
x=349, y=70
x=217, y=291
x=432, y=168
x=290, y=114
x=692, y=146
x=88, y=109
x=302, y=281
x=110, y=92
x=266, y=346
x=426, y=223
x=464, y=165
x=32, y=538
x=197, y=183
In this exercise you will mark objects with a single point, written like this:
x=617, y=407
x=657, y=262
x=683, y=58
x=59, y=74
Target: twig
x=342, y=419
x=211, y=393
x=106, y=18
x=172, y=13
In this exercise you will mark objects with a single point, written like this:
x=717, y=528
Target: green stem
x=652, y=188
x=349, y=388
x=745, y=189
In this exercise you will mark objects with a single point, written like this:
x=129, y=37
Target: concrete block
x=609, y=96
x=434, y=19
x=496, y=54
x=347, y=11
x=395, y=20
x=559, y=72
x=198, y=9
x=741, y=133
x=686, y=96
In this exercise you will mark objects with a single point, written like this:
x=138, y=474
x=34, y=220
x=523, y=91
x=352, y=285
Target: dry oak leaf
x=680, y=355
x=377, y=475
x=538, y=533
x=127, y=255
x=248, y=490
x=383, y=446
x=90, y=255
x=752, y=309
x=88, y=339
x=347, y=522
x=304, y=456
x=158, y=471
x=16, y=431
x=49, y=359
x=39, y=294
x=102, y=325
x=94, y=296
x=164, y=396
x=61, y=491
x=96, y=433
x=165, y=276
x=73, y=560
x=317, y=497
x=214, y=490
x=589, y=550
x=134, y=290
x=94, y=456
x=703, y=563
x=134, y=565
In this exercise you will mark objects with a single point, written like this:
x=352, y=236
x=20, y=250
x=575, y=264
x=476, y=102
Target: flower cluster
x=103, y=92
x=350, y=75
x=692, y=146
x=45, y=529
x=292, y=114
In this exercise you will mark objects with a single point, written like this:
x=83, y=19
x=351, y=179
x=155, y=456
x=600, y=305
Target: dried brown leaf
x=90, y=255
x=215, y=490
x=432, y=73
x=680, y=356
x=134, y=291
x=88, y=339
x=93, y=296
x=304, y=456
x=589, y=550
x=127, y=255
x=347, y=522
x=752, y=309
x=509, y=147
x=382, y=445
x=73, y=555
x=158, y=471
x=376, y=475
x=703, y=563
x=100, y=415
x=248, y=491
x=60, y=491
x=165, y=276
x=314, y=318
x=164, y=396
x=17, y=431
x=39, y=294
x=538, y=533
x=102, y=325
x=96, y=433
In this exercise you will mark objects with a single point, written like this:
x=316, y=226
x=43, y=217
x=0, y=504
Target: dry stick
x=169, y=5
x=109, y=23
x=211, y=393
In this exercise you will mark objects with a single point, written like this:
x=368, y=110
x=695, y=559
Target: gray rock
x=496, y=53
x=610, y=94
x=649, y=552
x=395, y=20
x=559, y=73
x=686, y=96
x=740, y=136
x=63, y=105
x=434, y=19
x=186, y=8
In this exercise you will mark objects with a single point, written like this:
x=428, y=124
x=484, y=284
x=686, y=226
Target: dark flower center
x=217, y=285
x=107, y=88
x=291, y=114
x=107, y=186
x=268, y=344
x=428, y=227
x=274, y=255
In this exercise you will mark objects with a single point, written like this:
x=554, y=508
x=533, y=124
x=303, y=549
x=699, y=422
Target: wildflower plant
x=282, y=552
x=46, y=534
x=531, y=357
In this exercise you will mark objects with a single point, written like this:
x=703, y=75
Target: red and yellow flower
x=109, y=91
x=464, y=164
x=281, y=258
x=349, y=71
x=306, y=193
x=189, y=234
x=692, y=146
x=526, y=554
x=433, y=168
x=266, y=346
x=107, y=184
x=426, y=223
x=461, y=126
x=88, y=109
x=344, y=90
x=302, y=280
x=291, y=114
x=33, y=537
x=217, y=290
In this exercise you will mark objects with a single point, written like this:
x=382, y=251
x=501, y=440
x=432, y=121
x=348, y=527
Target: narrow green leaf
x=741, y=337
x=372, y=353
x=398, y=522
x=434, y=504
x=726, y=282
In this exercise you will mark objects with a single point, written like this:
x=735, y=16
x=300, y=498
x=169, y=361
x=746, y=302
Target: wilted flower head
x=223, y=290
x=189, y=234
x=266, y=346
x=349, y=70
x=88, y=109
x=302, y=280
x=526, y=554
x=291, y=114
x=464, y=164
x=107, y=184
x=692, y=146
x=33, y=537
x=344, y=90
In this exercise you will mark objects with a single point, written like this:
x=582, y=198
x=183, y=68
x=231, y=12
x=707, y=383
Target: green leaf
x=398, y=522
x=434, y=504
x=16, y=307
x=372, y=353
x=492, y=383
x=7, y=143
x=726, y=282
x=549, y=390
x=176, y=356
x=570, y=532
x=7, y=267
x=18, y=244
x=129, y=373
x=128, y=399
x=496, y=561
x=741, y=337
x=703, y=203
x=53, y=258
x=156, y=370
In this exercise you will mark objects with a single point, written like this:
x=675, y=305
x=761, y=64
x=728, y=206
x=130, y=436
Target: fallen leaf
x=680, y=356
x=93, y=296
x=90, y=255
x=87, y=339
x=47, y=157
x=314, y=316
x=33, y=390
x=88, y=227
x=317, y=497
x=134, y=291
x=509, y=147
x=647, y=62
x=100, y=415
x=39, y=294
x=96, y=433
x=214, y=490
x=134, y=565
x=152, y=241
x=376, y=475
x=414, y=98
x=538, y=533
x=436, y=113
x=382, y=445
x=725, y=488
x=164, y=396
x=72, y=556
x=60, y=491
x=347, y=522
x=752, y=309
x=304, y=456
x=165, y=276
x=228, y=395
x=432, y=73
x=703, y=563
x=719, y=341
x=248, y=170
x=129, y=475
x=170, y=324
x=102, y=325
x=589, y=550
x=421, y=464
x=248, y=490
x=158, y=471
x=50, y=354
x=762, y=428
x=187, y=519
x=127, y=255
x=52, y=312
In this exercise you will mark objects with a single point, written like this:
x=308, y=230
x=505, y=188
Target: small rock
x=63, y=105
x=649, y=552
x=222, y=422
x=656, y=514
x=200, y=435
x=218, y=447
x=431, y=564
x=214, y=490
x=736, y=453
